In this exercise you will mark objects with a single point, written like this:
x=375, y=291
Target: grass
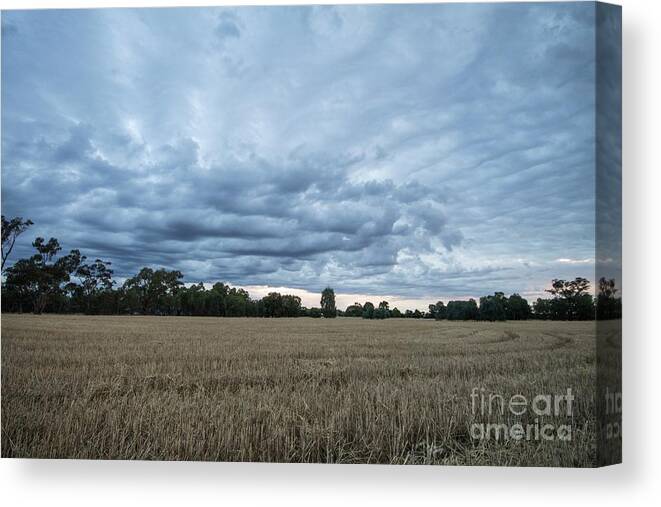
x=287, y=390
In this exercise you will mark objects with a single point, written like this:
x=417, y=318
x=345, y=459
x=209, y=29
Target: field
x=289, y=390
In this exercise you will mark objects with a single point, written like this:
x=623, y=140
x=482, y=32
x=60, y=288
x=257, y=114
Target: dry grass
x=293, y=390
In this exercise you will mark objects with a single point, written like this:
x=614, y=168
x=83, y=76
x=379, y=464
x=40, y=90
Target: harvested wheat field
x=339, y=390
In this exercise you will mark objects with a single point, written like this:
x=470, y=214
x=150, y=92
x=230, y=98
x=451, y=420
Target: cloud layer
x=426, y=151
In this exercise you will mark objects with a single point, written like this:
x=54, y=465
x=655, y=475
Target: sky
x=414, y=153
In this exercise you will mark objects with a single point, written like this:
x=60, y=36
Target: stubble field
x=289, y=390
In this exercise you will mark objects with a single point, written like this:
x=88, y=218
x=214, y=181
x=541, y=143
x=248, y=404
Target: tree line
x=51, y=282
x=571, y=300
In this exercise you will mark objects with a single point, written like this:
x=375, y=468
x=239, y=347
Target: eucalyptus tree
x=12, y=229
x=327, y=304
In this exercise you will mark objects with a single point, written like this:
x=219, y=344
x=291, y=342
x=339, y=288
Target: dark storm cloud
x=432, y=150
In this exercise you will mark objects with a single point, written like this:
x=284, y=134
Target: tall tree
x=609, y=306
x=437, y=311
x=40, y=278
x=571, y=299
x=327, y=304
x=368, y=310
x=354, y=310
x=291, y=305
x=493, y=307
x=237, y=302
x=151, y=291
x=93, y=278
x=383, y=311
x=272, y=304
x=11, y=229
x=542, y=309
x=517, y=308
x=462, y=310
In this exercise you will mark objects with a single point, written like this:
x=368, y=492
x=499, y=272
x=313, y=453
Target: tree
x=153, y=291
x=40, y=278
x=291, y=305
x=169, y=303
x=215, y=300
x=368, y=310
x=494, y=307
x=237, y=302
x=140, y=290
x=22, y=285
x=328, y=309
x=93, y=278
x=608, y=305
x=584, y=308
x=193, y=300
x=571, y=299
x=462, y=310
x=277, y=305
x=542, y=309
x=11, y=229
x=438, y=311
x=517, y=308
x=395, y=313
x=383, y=311
x=354, y=310
x=569, y=289
x=52, y=274
x=272, y=304
x=314, y=312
